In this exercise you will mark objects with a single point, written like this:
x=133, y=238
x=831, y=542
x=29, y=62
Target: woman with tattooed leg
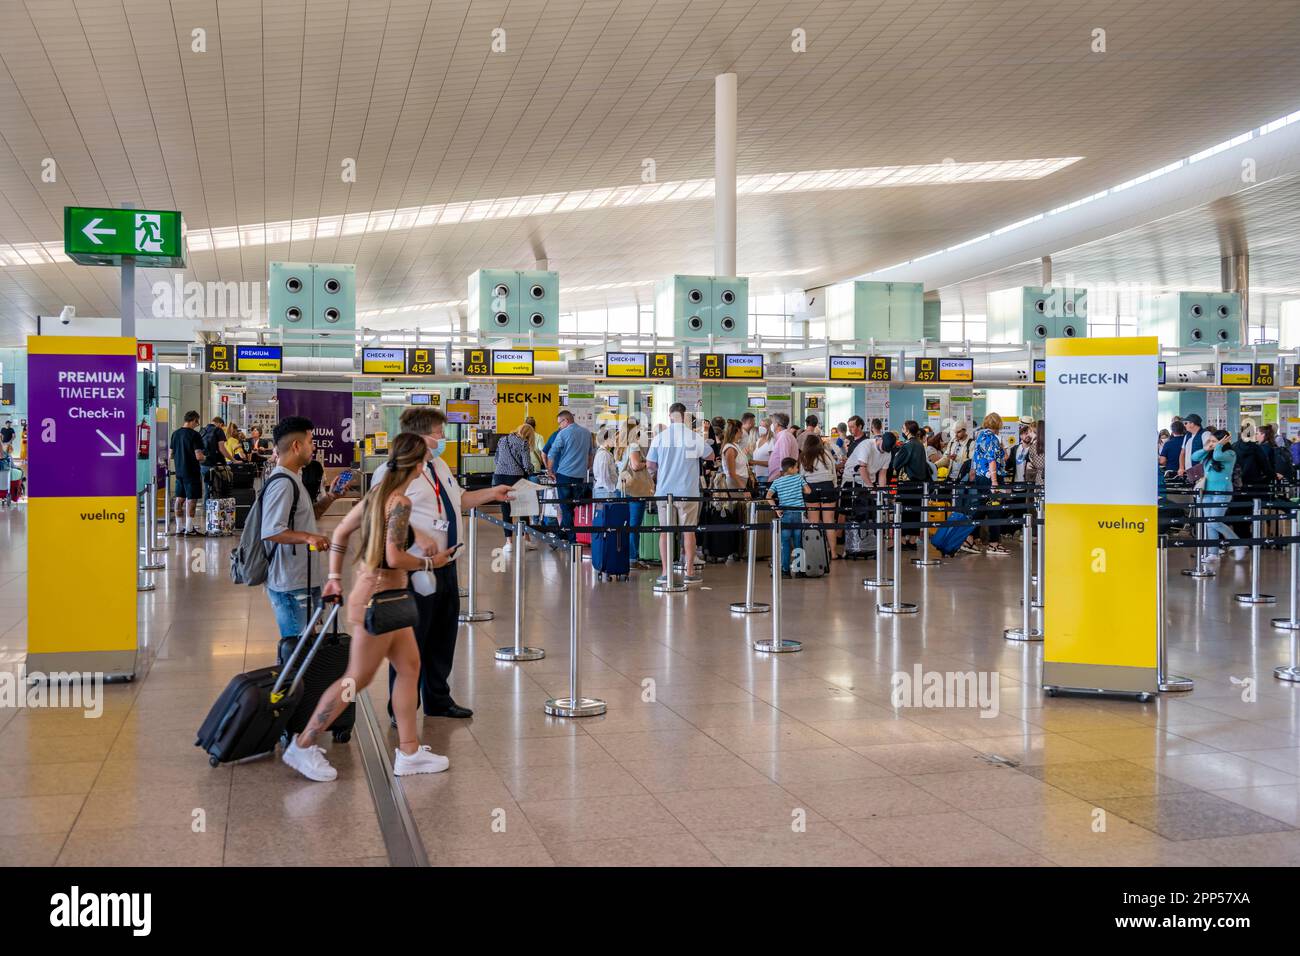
x=382, y=616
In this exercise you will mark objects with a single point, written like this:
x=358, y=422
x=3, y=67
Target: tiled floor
x=710, y=754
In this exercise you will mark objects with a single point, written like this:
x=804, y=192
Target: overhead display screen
x=258, y=358
x=419, y=398
x=383, y=361
x=944, y=369
x=1237, y=373
x=419, y=361
x=1265, y=374
x=462, y=413
x=626, y=364
x=743, y=366
x=1040, y=371
x=881, y=369
x=512, y=362
x=847, y=368
x=1160, y=374
x=218, y=358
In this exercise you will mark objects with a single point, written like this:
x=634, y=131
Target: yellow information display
x=1237, y=373
x=847, y=368
x=747, y=367
x=1100, y=536
x=258, y=358
x=626, y=364
x=383, y=361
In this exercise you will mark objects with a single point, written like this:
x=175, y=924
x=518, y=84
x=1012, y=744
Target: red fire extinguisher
x=144, y=440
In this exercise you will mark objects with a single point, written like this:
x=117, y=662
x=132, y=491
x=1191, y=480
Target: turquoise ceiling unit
x=1188, y=319
x=539, y=304
x=289, y=301
x=334, y=307
x=729, y=307
x=1037, y=313
x=887, y=311
x=684, y=306
x=494, y=301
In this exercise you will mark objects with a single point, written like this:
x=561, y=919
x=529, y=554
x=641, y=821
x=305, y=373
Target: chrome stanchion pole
x=1290, y=623
x=472, y=615
x=897, y=606
x=1025, y=632
x=1201, y=569
x=777, y=645
x=1164, y=680
x=575, y=705
x=880, y=581
x=151, y=560
x=519, y=652
x=1254, y=597
x=144, y=580
x=749, y=605
x=670, y=584
x=1040, y=529
x=925, y=560
x=167, y=510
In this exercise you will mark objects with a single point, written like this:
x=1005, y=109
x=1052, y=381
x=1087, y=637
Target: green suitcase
x=648, y=544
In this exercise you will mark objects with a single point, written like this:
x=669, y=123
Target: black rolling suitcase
x=328, y=665
x=251, y=714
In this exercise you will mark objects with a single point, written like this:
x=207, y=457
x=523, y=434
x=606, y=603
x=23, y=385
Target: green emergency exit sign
x=102, y=237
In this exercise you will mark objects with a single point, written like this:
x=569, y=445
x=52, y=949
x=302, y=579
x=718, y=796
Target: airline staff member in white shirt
x=436, y=504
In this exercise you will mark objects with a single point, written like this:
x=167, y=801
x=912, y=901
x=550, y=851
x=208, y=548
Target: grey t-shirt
x=289, y=562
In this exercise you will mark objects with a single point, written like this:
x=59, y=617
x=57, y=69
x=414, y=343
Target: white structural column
x=724, y=174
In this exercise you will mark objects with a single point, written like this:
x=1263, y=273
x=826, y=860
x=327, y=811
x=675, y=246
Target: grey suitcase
x=816, y=556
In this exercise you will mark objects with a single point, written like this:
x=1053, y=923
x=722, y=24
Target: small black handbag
x=391, y=610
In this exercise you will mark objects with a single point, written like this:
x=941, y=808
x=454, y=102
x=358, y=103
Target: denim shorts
x=290, y=609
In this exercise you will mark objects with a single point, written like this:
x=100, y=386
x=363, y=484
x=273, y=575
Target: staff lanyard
x=437, y=490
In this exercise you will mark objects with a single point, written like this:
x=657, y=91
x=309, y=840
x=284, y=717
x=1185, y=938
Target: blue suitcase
x=948, y=538
x=611, y=551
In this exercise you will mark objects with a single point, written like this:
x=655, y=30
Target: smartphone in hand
x=342, y=481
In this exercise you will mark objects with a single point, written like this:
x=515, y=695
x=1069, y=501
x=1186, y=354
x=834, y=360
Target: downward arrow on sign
x=119, y=449
x=1060, y=455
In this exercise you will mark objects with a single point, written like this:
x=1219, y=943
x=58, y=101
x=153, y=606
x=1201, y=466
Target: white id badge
x=441, y=524
x=422, y=582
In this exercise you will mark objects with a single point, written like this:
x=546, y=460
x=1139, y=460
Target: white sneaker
x=529, y=544
x=423, y=760
x=308, y=761
x=508, y=546
x=1240, y=551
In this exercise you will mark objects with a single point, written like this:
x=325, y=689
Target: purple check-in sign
x=81, y=426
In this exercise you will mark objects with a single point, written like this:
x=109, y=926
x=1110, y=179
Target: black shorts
x=189, y=487
x=820, y=492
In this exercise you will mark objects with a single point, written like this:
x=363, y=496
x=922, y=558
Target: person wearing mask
x=735, y=463
x=293, y=581
x=514, y=461
x=982, y=477
x=817, y=468
x=839, y=441
x=857, y=435
x=784, y=443
x=762, y=451
x=959, y=449
x=1171, y=451
x=912, y=470
x=673, y=461
x=1219, y=461
x=1283, y=469
x=438, y=504
x=384, y=567
x=235, y=444
x=604, y=472
x=1194, y=442
x=187, y=451
x=635, y=481
x=787, y=492
x=935, y=456
x=569, y=455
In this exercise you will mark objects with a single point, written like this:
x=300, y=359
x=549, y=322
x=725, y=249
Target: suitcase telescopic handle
x=276, y=694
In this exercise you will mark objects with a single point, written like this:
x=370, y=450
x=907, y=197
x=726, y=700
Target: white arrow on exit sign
x=93, y=231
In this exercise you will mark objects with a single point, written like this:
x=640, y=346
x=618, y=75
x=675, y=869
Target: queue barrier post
x=925, y=560
x=1164, y=680
x=1026, y=631
x=880, y=581
x=152, y=562
x=897, y=606
x=1254, y=597
x=670, y=583
x=1200, y=569
x=777, y=644
x=472, y=614
x=144, y=580
x=161, y=545
x=575, y=705
x=749, y=605
x=1040, y=529
x=1291, y=623
x=519, y=652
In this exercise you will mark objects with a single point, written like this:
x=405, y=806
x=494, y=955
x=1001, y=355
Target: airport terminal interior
x=757, y=433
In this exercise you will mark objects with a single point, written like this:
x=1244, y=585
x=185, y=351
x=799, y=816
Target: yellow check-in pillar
x=1100, y=536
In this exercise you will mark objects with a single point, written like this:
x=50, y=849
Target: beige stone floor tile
x=272, y=842
x=1139, y=742
x=487, y=824
x=31, y=849
x=783, y=734
x=1240, y=735
x=654, y=744
x=530, y=855
x=939, y=839
x=821, y=844
x=871, y=731
x=43, y=779
x=1192, y=815
x=1284, y=758
x=1060, y=828
x=727, y=714
x=694, y=773
x=840, y=800
x=24, y=746
x=49, y=813
x=1037, y=750
x=1259, y=849
x=798, y=688
x=598, y=818
x=1279, y=802
x=1095, y=780
x=142, y=846
x=926, y=756
x=788, y=767
x=562, y=783
x=570, y=750
x=735, y=808
x=668, y=850
x=1217, y=771
x=980, y=789
x=171, y=807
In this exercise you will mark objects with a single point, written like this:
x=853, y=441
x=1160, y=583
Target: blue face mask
x=438, y=448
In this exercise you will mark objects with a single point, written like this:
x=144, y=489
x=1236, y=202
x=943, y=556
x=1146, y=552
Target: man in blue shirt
x=568, y=455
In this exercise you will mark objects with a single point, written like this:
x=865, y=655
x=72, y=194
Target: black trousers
x=436, y=637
